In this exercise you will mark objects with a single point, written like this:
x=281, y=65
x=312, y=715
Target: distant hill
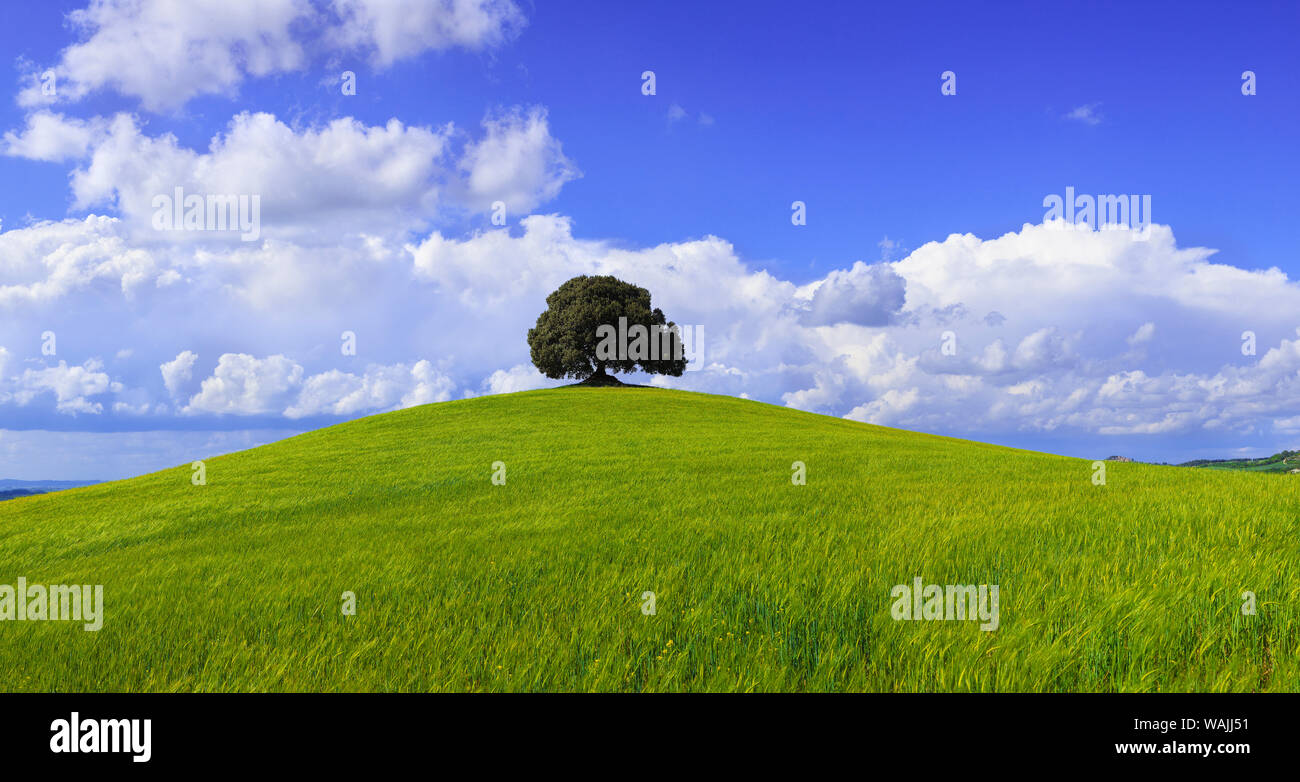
x=10, y=483
x=1282, y=462
x=12, y=489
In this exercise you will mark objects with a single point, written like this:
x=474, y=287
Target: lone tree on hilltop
x=594, y=324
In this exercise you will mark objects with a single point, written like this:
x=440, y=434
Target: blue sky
x=757, y=105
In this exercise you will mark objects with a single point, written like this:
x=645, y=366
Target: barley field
x=540, y=582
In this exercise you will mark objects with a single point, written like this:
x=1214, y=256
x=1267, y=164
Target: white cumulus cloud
x=164, y=53
x=53, y=137
x=392, y=30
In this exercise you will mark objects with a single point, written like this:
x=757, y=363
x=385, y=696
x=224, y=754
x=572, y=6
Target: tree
x=592, y=324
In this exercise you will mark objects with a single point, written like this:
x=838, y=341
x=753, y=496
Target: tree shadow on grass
x=604, y=381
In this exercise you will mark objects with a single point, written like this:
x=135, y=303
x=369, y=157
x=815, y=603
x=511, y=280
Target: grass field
x=759, y=584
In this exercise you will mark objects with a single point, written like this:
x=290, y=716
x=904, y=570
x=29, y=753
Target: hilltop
x=610, y=494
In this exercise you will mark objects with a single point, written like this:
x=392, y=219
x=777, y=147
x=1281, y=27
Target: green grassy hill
x=759, y=584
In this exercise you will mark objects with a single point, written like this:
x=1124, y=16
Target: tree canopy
x=594, y=325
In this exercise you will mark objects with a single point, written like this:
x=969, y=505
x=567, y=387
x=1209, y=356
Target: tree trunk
x=600, y=377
